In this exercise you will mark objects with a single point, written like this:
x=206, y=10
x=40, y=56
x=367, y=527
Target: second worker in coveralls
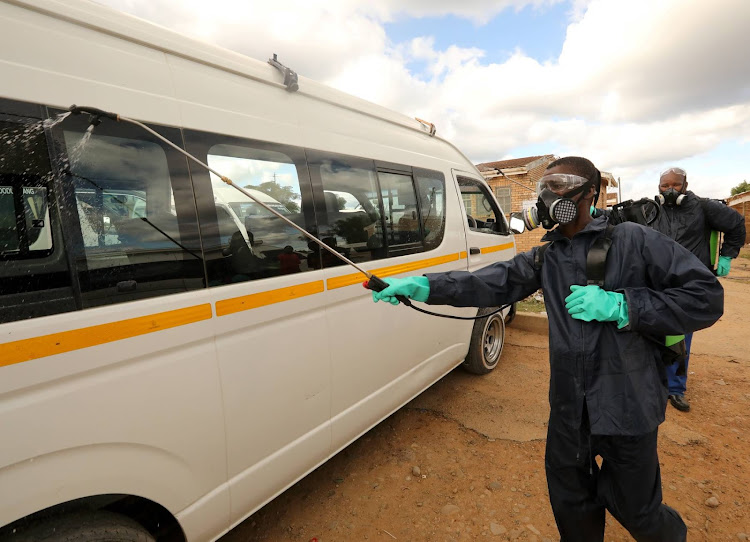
x=607, y=382
x=689, y=219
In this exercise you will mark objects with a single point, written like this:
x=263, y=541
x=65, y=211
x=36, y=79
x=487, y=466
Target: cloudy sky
x=635, y=85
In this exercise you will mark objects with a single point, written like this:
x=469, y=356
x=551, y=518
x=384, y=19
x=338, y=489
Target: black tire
x=511, y=314
x=84, y=527
x=486, y=347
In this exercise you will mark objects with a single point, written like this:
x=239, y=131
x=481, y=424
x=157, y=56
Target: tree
x=744, y=186
x=283, y=194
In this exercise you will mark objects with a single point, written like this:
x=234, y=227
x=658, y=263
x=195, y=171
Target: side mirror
x=516, y=223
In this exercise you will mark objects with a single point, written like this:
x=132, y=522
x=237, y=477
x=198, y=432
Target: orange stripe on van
x=75, y=339
x=357, y=278
x=462, y=255
x=253, y=301
x=487, y=250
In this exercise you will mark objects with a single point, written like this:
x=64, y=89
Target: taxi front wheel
x=487, y=339
x=96, y=526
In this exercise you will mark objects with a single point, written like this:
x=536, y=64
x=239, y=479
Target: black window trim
x=393, y=167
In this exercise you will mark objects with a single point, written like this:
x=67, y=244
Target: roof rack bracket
x=290, y=76
x=428, y=125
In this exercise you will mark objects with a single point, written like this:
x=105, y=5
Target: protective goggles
x=560, y=183
x=675, y=170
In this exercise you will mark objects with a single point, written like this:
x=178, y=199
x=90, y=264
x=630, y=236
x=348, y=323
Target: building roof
x=512, y=163
x=738, y=198
x=609, y=179
x=520, y=166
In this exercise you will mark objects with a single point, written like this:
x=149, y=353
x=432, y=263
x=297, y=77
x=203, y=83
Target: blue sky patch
x=538, y=32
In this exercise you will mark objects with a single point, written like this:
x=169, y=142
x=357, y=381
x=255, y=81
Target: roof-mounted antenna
x=290, y=76
x=428, y=125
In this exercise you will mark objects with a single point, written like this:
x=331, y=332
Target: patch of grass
x=531, y=305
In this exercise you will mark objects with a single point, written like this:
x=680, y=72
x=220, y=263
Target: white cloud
x=662, y=57
x=638, y=84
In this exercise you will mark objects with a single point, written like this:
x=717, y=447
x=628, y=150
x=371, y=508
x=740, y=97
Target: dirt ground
x=465, y=460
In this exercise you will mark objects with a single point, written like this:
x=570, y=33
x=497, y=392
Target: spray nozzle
x=95, y=114
x=377, y=284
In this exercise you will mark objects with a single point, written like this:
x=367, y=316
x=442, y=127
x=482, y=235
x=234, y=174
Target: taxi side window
x=242, y=239
x=482, y=212
x=431, y=195
x=403, y=227
x=369, y=212
x=350, y=217
x=34, y=274
x=134, y=211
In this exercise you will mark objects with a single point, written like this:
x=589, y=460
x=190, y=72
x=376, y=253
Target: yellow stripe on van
x=75, y=339
x=462, y=255
x=487, y=250
x=252, y=301
x=357, y=278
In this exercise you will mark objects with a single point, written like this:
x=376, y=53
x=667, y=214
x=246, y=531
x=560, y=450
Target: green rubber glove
x=670, y=340
x=722, y=270
x=592, y=303
x=416, y=288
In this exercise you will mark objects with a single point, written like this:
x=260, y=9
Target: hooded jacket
x=691, y=222
x=618, y=373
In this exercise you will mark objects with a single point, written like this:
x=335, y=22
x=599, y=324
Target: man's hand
x=592, y=303
x=722, y=270
x=416, y=288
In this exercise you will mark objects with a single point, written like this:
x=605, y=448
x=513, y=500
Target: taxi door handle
x=474, y=250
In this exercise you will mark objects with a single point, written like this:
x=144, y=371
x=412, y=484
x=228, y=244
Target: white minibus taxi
x=170, y=359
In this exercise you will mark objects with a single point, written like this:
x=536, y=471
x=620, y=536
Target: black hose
x=457, y=317
x=377, y=284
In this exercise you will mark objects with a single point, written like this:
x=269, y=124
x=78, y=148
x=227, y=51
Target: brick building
x=741, y=204
x=515, y=188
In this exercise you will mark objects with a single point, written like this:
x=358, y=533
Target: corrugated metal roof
x=513, y=162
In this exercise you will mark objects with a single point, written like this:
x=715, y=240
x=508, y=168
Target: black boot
x=679, y=402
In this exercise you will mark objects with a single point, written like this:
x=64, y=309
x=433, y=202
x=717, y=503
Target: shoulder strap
x=539, y=255
x=596, y=260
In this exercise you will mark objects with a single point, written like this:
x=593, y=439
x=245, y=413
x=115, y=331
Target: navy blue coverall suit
x=607, y=386
x=690, y=224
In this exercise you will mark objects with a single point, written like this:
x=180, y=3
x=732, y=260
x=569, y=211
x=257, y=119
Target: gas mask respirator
x=554, y=203
x=670, y=197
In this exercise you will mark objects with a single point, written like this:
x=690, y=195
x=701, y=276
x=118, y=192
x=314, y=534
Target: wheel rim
x=493, y=338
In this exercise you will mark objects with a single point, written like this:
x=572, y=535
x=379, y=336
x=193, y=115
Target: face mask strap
x=599, y=187
x=583, y=187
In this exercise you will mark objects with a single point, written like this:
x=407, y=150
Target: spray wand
x=373, y=282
